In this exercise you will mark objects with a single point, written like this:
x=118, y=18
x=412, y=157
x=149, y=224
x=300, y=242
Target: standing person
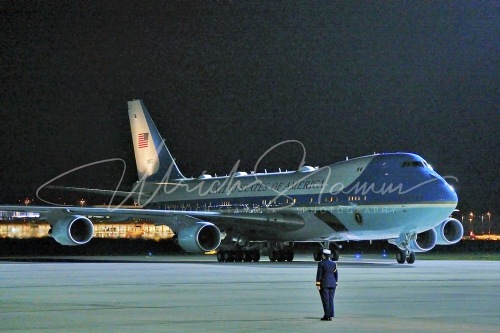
x=326, y=282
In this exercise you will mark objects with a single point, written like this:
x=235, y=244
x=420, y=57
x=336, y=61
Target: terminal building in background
x=18, y=225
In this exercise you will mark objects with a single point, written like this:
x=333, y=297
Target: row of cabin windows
x=287, y=201
x=290, y=201
x=357, y=198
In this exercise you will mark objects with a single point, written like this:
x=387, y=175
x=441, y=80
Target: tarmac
x=198, y=294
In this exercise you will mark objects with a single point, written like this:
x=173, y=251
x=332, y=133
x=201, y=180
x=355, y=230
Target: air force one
x=396, y=197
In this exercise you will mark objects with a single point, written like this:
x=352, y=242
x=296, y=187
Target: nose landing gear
x=318, y=254
x=403, y=256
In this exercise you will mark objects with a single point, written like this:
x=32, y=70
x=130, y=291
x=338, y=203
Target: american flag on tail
x=143, y=140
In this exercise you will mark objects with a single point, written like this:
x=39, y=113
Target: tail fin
x=152, y=157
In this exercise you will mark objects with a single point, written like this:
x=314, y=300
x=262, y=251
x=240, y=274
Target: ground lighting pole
x=470, y=221
x=489, y=223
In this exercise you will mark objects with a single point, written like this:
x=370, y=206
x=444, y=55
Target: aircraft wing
x=73, y=225
x=172, y=218
x=111, y=193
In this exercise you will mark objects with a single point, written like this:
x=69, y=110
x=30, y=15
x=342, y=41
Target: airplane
x=396, y=197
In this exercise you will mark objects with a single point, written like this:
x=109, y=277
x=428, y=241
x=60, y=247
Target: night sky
x=225, y=81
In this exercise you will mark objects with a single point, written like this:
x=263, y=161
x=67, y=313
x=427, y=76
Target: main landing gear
x=246, y=255
x=277, y=251
x=284, y=253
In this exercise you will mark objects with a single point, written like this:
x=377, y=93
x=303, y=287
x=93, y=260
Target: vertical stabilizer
x=152, y=158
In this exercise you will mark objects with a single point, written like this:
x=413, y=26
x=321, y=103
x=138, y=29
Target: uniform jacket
x=327, y=275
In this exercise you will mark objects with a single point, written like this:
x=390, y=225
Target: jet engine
x=200, y=236
x=449, y=232
x=75, y=230
x=424, y=241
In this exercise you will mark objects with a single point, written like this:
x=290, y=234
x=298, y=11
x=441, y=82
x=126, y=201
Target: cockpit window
x=417, y=164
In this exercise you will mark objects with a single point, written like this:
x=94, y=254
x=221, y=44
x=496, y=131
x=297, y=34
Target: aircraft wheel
x=411, y=258
x=273, y=255
x=335, y=255
x=289, y=255
x=246, y=256
x=228, y=256
x=401, y=257
x=256, y=255
x=220, y=256
x=238, y=256
x=317, y=255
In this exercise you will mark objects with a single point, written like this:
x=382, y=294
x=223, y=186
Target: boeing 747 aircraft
x=395, y=196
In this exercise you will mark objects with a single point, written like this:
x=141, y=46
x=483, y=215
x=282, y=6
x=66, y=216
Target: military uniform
x=326, y=281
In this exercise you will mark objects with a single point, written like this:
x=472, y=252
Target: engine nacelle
x=77, y=230
x=424, y=242
x=449, y=232
x=200, y=236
